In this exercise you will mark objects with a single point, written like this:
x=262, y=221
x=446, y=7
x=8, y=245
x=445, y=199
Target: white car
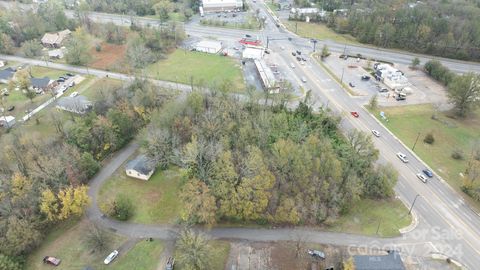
x=376, y=133
x=111, y=257
x=292, y=65
x=304, y=79
x=74, y=94
x=422, y=177
x=402, y=157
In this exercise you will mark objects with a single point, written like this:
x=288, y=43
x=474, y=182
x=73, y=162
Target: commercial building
x=209, y=46
x=253, y=52
x=392, y=77
x=210, y=6
x=267, y=77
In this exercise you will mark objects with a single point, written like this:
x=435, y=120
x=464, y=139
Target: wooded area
x=254, y=163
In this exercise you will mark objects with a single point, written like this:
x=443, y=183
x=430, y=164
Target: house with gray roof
x=391, y=261
x=75, y=104
x=6, y=74
x=141, y=168
x=42, y=84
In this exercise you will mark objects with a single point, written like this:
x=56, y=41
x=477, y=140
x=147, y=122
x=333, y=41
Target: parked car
x=60, y=80
x=294, y=54
x=51, y=260
x=248, y=36
x=422, y=177
x=299, y=52
x=111, y=257
x=365, y=77
x=351, y=84
x=383, y=90
x=299, y=58
x=11, y=108
x=355, y=114
x=69, y=74
x=235, y=48
x=267, y=51
x=376, y=133
x=170, y=263
x=427, y=172
x=292, y=65
x=402, y=157
x=316, y=254
x=304, y=59
x=63, y=88
x=74, y=94
x=71, y=84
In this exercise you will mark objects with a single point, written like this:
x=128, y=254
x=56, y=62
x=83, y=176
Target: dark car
x=316, y=254
x=383, y=90
x=51, y=260
x=299, y=58
x=428, y=173
x=365, y=77
x=294, y=54
x=299, y=52
x=11, y=108
x=69, y=74
x=304, y=59
x=247, y=35
x=61, y=80
x=351, y=84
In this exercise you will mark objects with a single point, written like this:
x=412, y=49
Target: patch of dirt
x=109, y=56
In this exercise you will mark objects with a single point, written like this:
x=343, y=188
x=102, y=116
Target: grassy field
x=156, y=200
x=366, y=215
x=219, y=251
x=40, y=72
x=66, y=243
x=407, y=122
x=144, y=255
x=318, y=31
x=205, y=69
x=92, y=91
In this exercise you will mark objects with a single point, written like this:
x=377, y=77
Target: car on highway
x=428, y=173
x=299, y=52
x=376, y=133
x=292, y=65
x=51, y=260
x=422, y=177
x=402, y=157
x=383, y=90
x=365, y=78
x=355, y=114
x=351, y=84
x=111, y=257
x=304, y=79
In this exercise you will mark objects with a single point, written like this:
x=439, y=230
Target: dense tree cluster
x=247, y=162
x=444, y=28
x=18, y=26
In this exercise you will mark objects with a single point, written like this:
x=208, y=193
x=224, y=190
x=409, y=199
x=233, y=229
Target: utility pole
x=378, y=227
x=314, y=41
x=414, y=200
x=416, y=140
x=296, y=27
x=341, y=79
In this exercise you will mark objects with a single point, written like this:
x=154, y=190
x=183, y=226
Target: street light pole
x=416, y=140
x=341, y=79
x=414, y=200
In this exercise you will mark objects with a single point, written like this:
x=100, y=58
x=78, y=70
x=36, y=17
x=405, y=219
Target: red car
x=51, y=260
x=355, y=114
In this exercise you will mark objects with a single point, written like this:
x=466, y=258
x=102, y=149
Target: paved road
x=94, y=72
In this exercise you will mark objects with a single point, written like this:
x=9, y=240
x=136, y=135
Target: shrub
x=429, y=138
x=123, y=207
x=457, y=154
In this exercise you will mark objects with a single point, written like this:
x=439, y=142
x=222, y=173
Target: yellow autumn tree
x=49, y=204
x=70, y=201
x=21, y=186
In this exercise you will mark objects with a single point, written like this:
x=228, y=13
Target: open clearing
x=109, y=58
x=318, y=31
x=219, y=251
x=203, y=68
x=410, y=122
x=155, y=201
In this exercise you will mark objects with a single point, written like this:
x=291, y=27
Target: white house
x=7, y=121
x=210, y=6
x=208, y=46
x=253, y=52
x=140, y=167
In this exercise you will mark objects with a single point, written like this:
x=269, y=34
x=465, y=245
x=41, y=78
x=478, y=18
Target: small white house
x=7, y=121
x=140, y=167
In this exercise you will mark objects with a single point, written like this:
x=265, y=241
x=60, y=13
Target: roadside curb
x=413, y=225
x=439, y=256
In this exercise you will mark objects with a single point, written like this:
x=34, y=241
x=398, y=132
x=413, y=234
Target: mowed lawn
x=219, y=251
x=407, y=122
x=205, y=69
x=318, y=31
x=40, y=72
x=366, y=215
x=66, y=242
x=155, y=201
x=144, y=255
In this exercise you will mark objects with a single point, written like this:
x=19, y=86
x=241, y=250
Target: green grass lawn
x=219, y=251
x=66, y=242
x=40, y=72
x=406, y=122
x=144, y=255
x=365, y=216
x=156, y=200
x=205, y=69
x=318, y=31
x=92, y=90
